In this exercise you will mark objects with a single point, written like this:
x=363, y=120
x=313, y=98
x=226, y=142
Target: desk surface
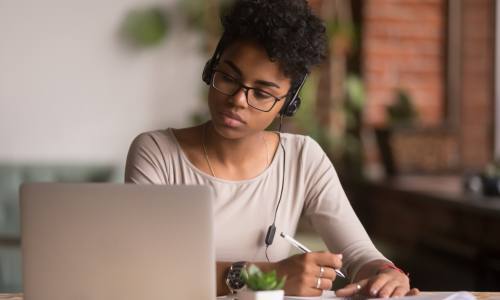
x=479, y=296
x=447, y=189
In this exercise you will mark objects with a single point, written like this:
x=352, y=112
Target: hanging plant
x=145, y=27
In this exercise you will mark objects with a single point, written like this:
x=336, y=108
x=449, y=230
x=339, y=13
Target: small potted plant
x=401, y=115
x=261, y=285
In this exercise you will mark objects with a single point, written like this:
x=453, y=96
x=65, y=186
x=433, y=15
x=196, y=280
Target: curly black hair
x=291, y=34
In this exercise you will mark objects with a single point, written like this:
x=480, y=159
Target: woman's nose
x=240, y=97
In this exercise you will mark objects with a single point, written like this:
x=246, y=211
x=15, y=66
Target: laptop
x=117, y=241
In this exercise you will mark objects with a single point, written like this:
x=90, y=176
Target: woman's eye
x=261, y=95
x=227, y=78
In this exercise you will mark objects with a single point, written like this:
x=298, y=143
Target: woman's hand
x=310, y=273
x=387, y=283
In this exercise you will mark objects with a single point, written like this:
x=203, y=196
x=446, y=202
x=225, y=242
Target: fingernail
x=339, y=256
x=373, y=292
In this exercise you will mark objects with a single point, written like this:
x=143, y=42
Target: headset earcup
x=284, y=109
x=293, y=107
x=207, y=72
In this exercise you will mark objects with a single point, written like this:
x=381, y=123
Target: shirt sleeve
x=145, y=162
x=330, y=213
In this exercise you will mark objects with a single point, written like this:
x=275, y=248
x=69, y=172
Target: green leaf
x=253, y=283
x=253, y=270
x=244, y=275
x=281, y=283
x=261, y=281
x=355, y=91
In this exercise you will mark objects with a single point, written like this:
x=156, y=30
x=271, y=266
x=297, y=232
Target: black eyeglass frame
x=246, y=89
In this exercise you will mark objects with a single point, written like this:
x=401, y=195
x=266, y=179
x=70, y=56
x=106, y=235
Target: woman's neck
x=251, y=150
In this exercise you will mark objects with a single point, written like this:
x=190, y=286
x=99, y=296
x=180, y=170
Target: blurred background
x=406, y=106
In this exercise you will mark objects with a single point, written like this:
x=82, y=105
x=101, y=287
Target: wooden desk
x=487, y=295
x=479, y=296
x=445, y=238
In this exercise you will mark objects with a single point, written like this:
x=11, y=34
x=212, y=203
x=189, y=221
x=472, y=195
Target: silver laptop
x=117, y=241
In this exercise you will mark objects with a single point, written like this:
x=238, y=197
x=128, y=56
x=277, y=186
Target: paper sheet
x=423, y=296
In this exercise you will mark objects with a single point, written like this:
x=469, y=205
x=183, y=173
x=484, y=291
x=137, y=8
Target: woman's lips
x=231, y=120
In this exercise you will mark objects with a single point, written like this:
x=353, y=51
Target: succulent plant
x=257, y=280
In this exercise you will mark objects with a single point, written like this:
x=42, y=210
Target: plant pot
x=261, y=295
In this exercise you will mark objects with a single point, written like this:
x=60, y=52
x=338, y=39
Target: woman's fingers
x=310, y=286
x=328, y=273
x=383, y=285
x=399, y=291
x=375, y=285
x=325, y=259
x=363, y=286
x=322, y=284
x=387, y=290
x=413, y=292
x=303, y=271
x=352, y=289
x=322, y=264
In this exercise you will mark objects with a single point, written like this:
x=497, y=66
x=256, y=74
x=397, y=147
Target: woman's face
x=248, y=63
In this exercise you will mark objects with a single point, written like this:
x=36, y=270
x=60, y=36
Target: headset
x=292, y=104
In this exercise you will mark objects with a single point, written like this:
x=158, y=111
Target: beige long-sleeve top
x=245, y=209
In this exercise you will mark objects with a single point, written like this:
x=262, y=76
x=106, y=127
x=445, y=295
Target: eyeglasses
x=256, y=98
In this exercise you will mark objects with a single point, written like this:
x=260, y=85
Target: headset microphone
x=289, y=109
x=270, y=234
x=272, y=229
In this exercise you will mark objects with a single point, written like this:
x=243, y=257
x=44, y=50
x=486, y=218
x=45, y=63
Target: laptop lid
x=117, y=241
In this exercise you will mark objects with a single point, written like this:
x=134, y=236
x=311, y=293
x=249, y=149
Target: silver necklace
x=206, y=153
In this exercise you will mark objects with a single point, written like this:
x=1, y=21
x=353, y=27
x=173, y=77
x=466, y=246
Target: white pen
x=303, y=248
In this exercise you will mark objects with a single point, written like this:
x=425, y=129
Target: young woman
x=263, y=180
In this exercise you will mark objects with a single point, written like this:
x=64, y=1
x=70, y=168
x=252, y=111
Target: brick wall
x=477, y=107
x=403, y=46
